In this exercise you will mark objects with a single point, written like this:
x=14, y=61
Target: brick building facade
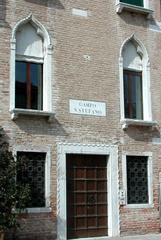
x=80, y=99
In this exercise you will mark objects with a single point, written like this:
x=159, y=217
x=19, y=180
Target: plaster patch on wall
x=80, y=12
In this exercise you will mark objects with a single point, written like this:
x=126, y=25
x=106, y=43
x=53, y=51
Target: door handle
x=91, y=199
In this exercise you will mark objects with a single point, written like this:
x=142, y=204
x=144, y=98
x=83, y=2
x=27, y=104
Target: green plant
x=13, y=195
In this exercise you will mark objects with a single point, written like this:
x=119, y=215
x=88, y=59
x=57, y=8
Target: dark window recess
x=137, y=179
x=32, y=172
x=134, y=2
x=29, y=85
x=133, y=100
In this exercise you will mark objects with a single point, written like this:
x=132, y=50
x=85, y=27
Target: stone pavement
x=139, y=237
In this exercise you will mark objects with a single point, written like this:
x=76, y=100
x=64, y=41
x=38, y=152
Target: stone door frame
x=111, y=151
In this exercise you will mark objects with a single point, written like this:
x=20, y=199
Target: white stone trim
x=150, y=178
x=39, y=149
x=113, y=192
x=147, y=112
x=80, y=12
x=29, y=59
x=47, y=70
x=16, y=112
x=39, y=210
x=95, y=238
x=155, y=26
x=120, y=7
x=134, y=122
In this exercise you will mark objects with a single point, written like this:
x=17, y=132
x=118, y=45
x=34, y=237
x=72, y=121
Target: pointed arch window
x=31, y=52
x=29, y=68
x=135, y=84
x=132, y=81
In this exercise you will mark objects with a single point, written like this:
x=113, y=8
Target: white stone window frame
x=111, y=152
x=147, y=111
x=47, y=70
x=39, y=149
x=120, y=6
x=150, y=178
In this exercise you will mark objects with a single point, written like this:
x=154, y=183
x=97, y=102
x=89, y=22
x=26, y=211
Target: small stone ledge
x=133, y=8
x=135, y=122
x=155, y=26
x=16, y=112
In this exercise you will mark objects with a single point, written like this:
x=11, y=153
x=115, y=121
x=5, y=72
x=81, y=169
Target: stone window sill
x=134, y=122
x=35, y=210
x=148, y=205
x=132, y=8
x=39, y=210
x=16, y=112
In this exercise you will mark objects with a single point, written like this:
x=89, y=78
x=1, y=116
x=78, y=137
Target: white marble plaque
x=79, y=12
x=87, y=107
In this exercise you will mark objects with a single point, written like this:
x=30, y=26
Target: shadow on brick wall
x=2, y=10
x=35, y=226
x=40, y=126
x=143, y=134
x=134, y=19
x=47, y=3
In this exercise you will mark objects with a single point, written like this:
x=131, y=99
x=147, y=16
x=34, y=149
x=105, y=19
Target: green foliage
x=13, y=195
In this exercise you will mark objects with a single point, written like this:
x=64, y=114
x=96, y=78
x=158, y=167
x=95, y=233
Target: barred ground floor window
x=32, y=172
x=137, y=179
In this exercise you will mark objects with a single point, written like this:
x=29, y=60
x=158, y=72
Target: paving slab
x=139, y=237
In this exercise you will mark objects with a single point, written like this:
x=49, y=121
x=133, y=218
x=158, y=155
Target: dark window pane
x=36, y=81
x=21, y=85
x=137, y=179
x=133, y=95
x=134, y=2
x=29, y=85
x=32, y=172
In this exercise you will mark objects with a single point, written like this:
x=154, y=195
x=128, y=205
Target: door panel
x=86, y=196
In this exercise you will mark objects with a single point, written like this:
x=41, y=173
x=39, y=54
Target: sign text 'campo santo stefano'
x=87, y=107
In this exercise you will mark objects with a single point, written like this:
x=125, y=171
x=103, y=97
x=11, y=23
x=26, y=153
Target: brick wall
x=99, y=36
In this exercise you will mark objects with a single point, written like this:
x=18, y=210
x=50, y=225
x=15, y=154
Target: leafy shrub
x=13, y=195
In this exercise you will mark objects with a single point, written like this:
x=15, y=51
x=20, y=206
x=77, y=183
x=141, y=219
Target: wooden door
x=86, y=196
